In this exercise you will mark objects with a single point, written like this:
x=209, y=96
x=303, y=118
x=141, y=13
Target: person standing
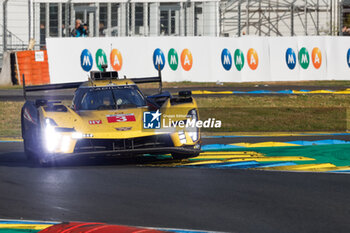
x=78, y=31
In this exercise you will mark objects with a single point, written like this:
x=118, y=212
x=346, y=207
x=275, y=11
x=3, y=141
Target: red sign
x=95, y=122
x=121, y=118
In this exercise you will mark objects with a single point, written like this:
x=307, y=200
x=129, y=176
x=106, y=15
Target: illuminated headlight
x=51, y=136
x=193, y=131
x=193, y=135
x=77, y=135
x=182, y=137
x=65, y=143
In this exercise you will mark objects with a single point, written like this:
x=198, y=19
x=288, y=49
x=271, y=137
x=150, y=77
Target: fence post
x=340, y=18
x=292, y=19
x=29, y=20
x=4, y=32
x=239, y=18
x=66, y=18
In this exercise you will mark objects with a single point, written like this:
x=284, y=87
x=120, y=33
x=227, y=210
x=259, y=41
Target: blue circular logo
x=158, y=59
x=86, y=60
x=348, y=58
x=226, y=59
x=291, y=58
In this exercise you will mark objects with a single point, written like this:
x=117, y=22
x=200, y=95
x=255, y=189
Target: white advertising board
x=283, y=59
x=338, y=58
x=202, y=59
x=312, y=57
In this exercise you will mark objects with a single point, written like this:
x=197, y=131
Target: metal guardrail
x=13, y=43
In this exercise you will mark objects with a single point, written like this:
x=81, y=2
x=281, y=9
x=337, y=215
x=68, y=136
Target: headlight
x=65, y=143
x=182, y=137
x=51, y=136
x=193, y=131
x=77, y=135
x=49, y=121
x=193, y=135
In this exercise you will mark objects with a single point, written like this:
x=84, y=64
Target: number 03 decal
x=121, y=118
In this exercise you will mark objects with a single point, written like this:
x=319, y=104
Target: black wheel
x=44, y=161
x=30, y=155
x=40, y=158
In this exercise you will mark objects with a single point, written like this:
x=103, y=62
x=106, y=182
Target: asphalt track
x=120, y=191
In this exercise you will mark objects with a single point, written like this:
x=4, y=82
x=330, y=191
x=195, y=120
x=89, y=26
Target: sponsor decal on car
x=95, y=122
x=27, y=116
x=121, y=118
x=151, y=120
x=123, y=128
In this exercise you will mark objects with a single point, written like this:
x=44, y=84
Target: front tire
x=30, y=155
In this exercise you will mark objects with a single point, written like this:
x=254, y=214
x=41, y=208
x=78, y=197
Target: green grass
x=288, y=113
x=10, y=118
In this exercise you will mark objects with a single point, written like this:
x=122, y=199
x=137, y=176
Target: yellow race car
x=110, y=116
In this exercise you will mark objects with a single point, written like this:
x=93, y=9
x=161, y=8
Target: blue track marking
x=268, y=92
x=320, y=142
x=260, y=92
x=26, y=222
x=278, y=164
x=213, y=147
x=218, y=147
x=285, y=92
x=239, y=165
x=299, y=134
x=243, y=165
x=2, y=141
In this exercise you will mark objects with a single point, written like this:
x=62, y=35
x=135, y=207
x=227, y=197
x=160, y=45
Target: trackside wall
x=203, y=59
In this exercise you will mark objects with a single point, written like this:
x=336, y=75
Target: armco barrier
x=203, y=59
x=34, y=66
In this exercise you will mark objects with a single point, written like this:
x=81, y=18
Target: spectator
x=345, y=31
x=42, y=36
x=63, y=30
x=86, y=30
x=102, y=29
x=78, y=31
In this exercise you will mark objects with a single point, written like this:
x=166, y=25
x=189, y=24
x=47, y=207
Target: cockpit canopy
x=108, y=97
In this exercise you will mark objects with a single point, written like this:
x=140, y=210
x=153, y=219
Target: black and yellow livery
x=107, y=118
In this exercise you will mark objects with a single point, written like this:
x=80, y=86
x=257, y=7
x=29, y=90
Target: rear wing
x=151, y=80
x=103, y=75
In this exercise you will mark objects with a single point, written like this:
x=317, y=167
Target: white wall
x=331, y=62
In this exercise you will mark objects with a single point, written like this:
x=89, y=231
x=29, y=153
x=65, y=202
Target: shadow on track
x=12, y=155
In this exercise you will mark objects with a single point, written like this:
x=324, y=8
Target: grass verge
x=288, y=113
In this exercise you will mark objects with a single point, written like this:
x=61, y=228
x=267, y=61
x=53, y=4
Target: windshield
x=104, y=98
